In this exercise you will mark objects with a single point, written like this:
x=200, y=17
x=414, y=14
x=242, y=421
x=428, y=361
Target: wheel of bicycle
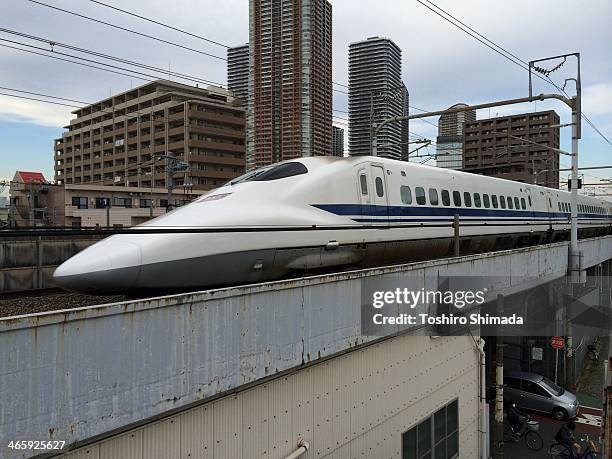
x=559, y=451
x=533, y=441
x=508, y=433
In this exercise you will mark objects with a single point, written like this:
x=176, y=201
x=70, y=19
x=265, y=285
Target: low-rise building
x=28, y=192
x=118, y=206
x=36, y=202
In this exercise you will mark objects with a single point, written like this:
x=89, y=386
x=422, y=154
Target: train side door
x=365, y=189
x=379, y=193
x=530, y=202
x=549, y=207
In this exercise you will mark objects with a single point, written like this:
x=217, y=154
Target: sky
x=441, y=65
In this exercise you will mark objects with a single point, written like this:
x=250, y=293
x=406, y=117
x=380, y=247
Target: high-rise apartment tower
x=238, y=72
x=290, y=80
x=338, y=141
x=376, y=92
x=449, y=148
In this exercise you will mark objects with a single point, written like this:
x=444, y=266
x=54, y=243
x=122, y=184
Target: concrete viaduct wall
x=27, y=263
x=77, y=374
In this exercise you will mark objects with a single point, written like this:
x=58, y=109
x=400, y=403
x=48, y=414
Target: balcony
x=209, y=159
x=234, y=120
x=217, y=146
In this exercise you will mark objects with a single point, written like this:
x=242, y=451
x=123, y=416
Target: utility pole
x=498, y=430
x=173, y=165
x=575, y=271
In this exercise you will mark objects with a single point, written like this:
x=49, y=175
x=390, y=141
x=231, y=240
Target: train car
x=323, y=212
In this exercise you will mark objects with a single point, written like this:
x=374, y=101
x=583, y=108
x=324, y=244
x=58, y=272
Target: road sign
x=537, y=353
x=557, y=342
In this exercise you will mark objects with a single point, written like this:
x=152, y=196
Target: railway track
x=31, y=302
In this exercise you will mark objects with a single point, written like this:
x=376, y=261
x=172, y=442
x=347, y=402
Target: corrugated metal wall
x=353, y=406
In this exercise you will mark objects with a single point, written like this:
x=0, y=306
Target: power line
x=504, y=53
x=53, y=44
x=81, y=58
x=74, y=62
x=39, y=100
x=45, y=95
x=125, y=29
x=160, y=23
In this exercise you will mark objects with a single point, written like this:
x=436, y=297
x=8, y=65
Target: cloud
x=597, y=99
x=12, y=109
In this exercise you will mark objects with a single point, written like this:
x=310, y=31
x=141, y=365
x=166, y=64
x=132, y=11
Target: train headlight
x=214, y=197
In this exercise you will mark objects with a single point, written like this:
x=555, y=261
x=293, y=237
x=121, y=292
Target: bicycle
x=528, y=431
x=592, y=353
x=561, y=451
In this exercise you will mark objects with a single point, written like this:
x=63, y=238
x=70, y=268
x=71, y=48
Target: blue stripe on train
x=370, y=210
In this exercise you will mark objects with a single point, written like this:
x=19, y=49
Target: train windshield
x=271, y=173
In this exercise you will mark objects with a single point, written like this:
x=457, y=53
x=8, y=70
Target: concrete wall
x=354, y=405
x=76, y=374
x=27, y=263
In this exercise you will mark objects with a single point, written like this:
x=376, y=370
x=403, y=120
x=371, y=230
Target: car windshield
x=271, y=173
x=552, y=387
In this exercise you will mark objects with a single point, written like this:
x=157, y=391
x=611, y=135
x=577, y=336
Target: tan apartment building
x=123, y=140
x=514, y=147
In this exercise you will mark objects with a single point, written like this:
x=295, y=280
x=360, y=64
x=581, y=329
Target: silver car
x=532, y=391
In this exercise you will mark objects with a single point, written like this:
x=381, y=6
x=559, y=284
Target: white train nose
x=109, y=266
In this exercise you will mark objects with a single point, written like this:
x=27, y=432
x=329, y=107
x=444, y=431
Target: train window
x=406, y=194
x=529, y=200
x=516, y=203
x=457, y=198
x=494, y=200
x=403, y=173
x=419, y=193
x=445, y=197
x=486, y=201
x=559, y=205
x=433, y=196
x=363, y=181
x=467, y=199
x=380, y=190
x=283, y=170
x=502, y=202
x=523, y=206
x=509, y=202
x=477, y=200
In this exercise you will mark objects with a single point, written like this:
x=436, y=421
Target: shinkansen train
x=322, y=212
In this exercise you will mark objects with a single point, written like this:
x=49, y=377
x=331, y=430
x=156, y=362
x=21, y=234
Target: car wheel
x=559, y=414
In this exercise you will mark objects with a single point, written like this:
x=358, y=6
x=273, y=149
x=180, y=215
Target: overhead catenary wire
x=74, y=62
x=504, y=53
x=56, y=44
x=38, y=100
x=126, y=29
x=160, y=23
